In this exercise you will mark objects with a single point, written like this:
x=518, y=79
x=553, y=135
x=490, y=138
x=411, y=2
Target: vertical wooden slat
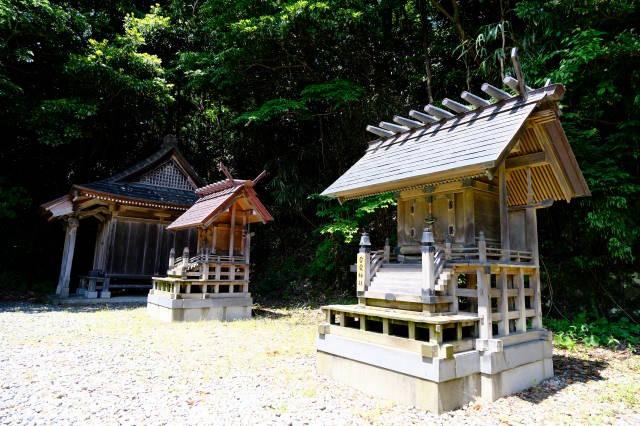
x=503, y=325
x=522, y=319
x=484, y=304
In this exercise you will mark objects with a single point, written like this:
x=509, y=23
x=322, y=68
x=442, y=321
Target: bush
x=594, y=332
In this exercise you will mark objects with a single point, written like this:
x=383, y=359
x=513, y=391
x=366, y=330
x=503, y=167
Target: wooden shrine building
x=131, y=211
x=453, y=312
x=212, y=282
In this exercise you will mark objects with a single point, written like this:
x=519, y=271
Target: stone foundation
x=227, y=307
x=434, y=383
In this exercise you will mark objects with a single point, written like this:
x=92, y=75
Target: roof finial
x=170, y=140
x=224, y=170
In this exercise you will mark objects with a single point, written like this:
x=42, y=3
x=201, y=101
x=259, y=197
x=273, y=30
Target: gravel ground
x=113, y=365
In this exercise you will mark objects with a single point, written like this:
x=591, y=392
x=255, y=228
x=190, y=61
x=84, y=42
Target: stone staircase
x=405, y=279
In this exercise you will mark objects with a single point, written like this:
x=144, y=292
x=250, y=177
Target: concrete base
x=105, y=295
x=91, y=294
x=228, y=308
x=434, y=384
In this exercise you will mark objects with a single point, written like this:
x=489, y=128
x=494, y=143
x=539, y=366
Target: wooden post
x=428, y=249
x=454, y=293
x=534, y=282
x=522, y=319
x=447, y=248
x=532, y=242
x=482, y=248
x=504, y=211
x=363, y=265
x=484, y=303
x=205, y=265
x=503, y=325
x=62, y=290
x=247, y=253
x=387, y=251
x=232, y=230
x=185, y=261
x=469, y=219
x=172, y=258
x=214, y=239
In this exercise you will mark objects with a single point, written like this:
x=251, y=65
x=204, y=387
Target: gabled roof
x=215, y=199
x=465, y=145
x=132, y=184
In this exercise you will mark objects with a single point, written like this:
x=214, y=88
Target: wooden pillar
x=534, y=282
x=363, y=322
x=247, y=253
x=532, y=242
x=503, y=325
x=484, y=303
x=522, y=319
x=62, y=290
x=214, y=239
x=531, y=222
x=469, y=218
x=453, y=292
x=232, y=229
x=504, y=210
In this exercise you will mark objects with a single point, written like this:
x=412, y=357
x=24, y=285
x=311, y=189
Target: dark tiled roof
x=141, y=191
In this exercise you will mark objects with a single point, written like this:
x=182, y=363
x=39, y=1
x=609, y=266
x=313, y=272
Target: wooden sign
x=361, y=266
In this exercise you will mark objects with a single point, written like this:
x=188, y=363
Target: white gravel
x=113, y=365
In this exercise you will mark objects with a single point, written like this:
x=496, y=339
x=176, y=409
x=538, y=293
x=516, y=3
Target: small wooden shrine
x=213, y=282
x=453, y=313
x=128, y=213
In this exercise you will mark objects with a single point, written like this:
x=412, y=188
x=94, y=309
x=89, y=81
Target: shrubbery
x=594, y=332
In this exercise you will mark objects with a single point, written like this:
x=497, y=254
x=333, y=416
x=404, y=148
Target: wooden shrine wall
x=141, y=247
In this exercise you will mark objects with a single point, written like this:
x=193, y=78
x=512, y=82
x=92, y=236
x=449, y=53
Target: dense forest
x=89, y=87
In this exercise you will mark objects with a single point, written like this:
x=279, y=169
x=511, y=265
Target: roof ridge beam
x=425, y=118
x=455, y=106
x=407, y=122
x=494, y=92
x=438, y=112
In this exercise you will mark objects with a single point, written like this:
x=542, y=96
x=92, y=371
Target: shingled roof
x=130, y=184
x=215, y=199
x=466, y=144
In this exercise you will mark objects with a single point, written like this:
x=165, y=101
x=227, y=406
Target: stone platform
x=424, y=370
x=222, y=307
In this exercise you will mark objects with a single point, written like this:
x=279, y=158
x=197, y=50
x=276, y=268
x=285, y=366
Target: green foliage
x=344, y=220
x=89, y=87
x=593, y=332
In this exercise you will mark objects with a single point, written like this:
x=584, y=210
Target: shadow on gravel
x=567, y=370
x=38, y=308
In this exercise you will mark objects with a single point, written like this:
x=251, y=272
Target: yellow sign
x=360, y=271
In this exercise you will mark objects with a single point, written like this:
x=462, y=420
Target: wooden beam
x=455, y=106
x=503, y=197
x=438, y=112
x=407, y=122
x=515, y=60
x=527, y=160
x=425, y=118
x=474, y=100
x=541, y=205
x=379, y=132
x=494, y=92
x=393, y=127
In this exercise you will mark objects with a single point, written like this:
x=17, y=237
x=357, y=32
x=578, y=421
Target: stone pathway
x=113, y=365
